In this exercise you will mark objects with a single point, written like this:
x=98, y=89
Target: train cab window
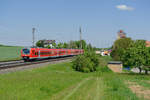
x=36, y=53
x=26, y=51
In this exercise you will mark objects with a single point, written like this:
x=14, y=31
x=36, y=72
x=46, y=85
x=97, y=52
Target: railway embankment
x=7, y=67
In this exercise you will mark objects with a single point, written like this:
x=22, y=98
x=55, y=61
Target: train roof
x=50, y=49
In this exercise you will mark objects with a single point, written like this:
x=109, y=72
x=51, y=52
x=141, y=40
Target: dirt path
x=139, y=90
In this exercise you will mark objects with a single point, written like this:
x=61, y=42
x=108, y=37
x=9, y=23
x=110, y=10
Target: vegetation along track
x=11, y=64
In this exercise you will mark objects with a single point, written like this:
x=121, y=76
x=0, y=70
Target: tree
x=89, y=47
x=120, y=46
x=146, y=66
x=137, y=56
x=72, y=45
x=40, y=43
x=48, y=46
x=60, y=45
x=77, y=44
x=83, y=44
x=54, y=45
x=65, y=45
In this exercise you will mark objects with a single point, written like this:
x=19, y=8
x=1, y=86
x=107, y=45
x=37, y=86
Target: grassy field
x=9, y=53
x=61, y=82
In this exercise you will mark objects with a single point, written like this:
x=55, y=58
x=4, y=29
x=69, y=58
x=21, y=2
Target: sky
x=60, y=20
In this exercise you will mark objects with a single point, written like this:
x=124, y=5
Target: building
x=147, y=43
x=115, y=66
x=47, y=42
x=121, y=34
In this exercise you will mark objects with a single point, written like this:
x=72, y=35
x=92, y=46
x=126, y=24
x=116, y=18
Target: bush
x=88, y=62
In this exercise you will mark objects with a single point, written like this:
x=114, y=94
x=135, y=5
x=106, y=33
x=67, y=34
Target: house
x=121, y=34
x=147, y=43
x=48, y=42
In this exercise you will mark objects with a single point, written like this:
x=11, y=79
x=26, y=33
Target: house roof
x=147, y=43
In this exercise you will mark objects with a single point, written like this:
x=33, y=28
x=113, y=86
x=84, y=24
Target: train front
x=25, y=54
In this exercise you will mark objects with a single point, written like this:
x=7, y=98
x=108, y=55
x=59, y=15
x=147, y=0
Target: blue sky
x=60, y=20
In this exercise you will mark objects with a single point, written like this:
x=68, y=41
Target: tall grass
x=116, y=89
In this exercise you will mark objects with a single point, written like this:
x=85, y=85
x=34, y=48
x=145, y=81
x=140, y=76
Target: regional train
x=28, y=54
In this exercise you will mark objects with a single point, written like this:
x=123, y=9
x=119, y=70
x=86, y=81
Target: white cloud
x=124, y=7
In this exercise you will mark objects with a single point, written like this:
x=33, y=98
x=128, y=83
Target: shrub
x=88, y=62
x=94, y=58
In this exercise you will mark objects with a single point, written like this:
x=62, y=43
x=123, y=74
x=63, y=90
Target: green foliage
x=60, y=45
x=84, y=44
x=86, y=63
x=54, y=45
x=104, y=69
x=89, y=47
x=77, y=44
x=103, y=61
x=1, y=45
x=40, y=44
x=136, y=54
x=48, y=46
x=93, y=57
x=70, y=45
x=120, y=46
x=65, y=45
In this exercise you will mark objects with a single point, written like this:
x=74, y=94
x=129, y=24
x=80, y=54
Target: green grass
x=140, y=79
x=61, y=82
x=10, y=53
x=116, y=89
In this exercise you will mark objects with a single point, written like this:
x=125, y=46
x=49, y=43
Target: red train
x=39, y=53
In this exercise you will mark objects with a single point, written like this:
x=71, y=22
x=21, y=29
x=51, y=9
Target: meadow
x=61, y=82
x=10, y=53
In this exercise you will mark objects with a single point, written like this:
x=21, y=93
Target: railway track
x=19, y=63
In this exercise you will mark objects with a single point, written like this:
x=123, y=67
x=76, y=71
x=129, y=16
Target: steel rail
x=10, y=62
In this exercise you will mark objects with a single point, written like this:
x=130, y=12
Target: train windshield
x=26, y=51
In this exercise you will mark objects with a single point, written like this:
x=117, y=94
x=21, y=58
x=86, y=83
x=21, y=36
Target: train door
x=39, y=53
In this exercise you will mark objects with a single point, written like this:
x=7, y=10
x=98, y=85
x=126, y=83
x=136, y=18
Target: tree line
x=68, y=45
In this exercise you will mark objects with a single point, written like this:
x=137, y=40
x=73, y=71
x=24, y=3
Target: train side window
x=33, y=51
x=37, y=53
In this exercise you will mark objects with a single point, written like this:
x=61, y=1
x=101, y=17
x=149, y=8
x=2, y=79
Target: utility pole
x=80, y=38
x=33, y=30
